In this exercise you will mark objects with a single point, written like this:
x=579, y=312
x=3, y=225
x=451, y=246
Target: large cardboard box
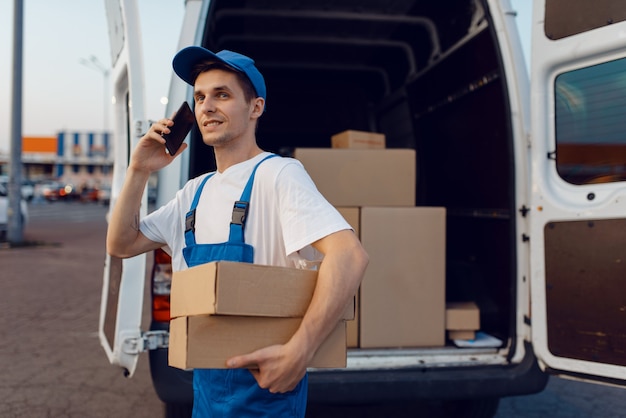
x=402, y=299
x=362, y=177
x=230, y=288
x=208, y=341
x=244, y=289
x=462, y=316
x=353, y=217
x=358, y=139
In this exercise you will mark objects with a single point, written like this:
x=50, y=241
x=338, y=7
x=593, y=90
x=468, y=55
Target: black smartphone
x=183, y=122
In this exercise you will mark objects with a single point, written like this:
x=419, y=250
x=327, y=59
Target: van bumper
x=365, y=386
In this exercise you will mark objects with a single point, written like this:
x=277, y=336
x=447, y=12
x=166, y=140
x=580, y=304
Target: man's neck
x=226, y=157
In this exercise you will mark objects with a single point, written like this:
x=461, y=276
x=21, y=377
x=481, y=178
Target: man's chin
x=215, y=141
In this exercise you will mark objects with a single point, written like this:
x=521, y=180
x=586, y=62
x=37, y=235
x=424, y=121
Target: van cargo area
x=430, y=77
x=425, y=74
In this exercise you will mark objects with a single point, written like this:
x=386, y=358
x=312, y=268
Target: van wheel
x=178, y=410
x=472, y=408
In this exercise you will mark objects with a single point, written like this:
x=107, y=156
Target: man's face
x=222, y=112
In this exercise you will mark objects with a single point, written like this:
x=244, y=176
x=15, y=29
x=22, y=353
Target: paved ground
x=53, y=366
x=51, y=360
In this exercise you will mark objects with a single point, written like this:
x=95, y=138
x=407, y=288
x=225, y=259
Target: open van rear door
x=123, y=282
x=578, y=202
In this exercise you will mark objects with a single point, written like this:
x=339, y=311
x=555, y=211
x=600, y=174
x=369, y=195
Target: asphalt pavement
x=50, y=356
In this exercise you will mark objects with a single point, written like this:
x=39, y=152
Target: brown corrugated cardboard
x=208, y=341
x=229, y=288
x=362, y=177
x=352, y=216
x=462, y=316
x=462, y=335
x=402, y=300
x=358, y=140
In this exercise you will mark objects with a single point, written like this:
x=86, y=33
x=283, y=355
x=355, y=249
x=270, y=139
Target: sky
x=59, y=92
x=62, y=94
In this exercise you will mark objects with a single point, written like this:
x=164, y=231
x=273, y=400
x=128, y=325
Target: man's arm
x=280, y=368
x=123, y=236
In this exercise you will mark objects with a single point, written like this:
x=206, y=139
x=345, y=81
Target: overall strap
x=240, y=209
x=190, y=218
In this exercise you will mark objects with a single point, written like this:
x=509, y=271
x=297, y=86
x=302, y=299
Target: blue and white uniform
x=286, y=214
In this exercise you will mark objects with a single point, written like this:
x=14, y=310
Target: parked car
x=89, y=194
x=104, y=194
x=69, y=192
x=4, y=210
x=46, y=190
x=28, y=190
x=28, y=187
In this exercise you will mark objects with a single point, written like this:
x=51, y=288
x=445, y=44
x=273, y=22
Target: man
x=286, y=217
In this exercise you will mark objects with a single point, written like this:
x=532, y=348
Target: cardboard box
x=402, y=299
x=243, y=289
x=362, y=177
x=230, y=288
x=353, y=216
x=462, y=316
x=462, y=335
x=208, y=341
x=358, y=140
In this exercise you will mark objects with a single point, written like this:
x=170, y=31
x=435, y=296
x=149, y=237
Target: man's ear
x=258, y=106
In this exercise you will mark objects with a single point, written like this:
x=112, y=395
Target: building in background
x=70, y=157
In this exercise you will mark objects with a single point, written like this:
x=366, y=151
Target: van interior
x=428, y=75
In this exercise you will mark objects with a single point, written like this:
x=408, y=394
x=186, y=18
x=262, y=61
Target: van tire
x=178, y=410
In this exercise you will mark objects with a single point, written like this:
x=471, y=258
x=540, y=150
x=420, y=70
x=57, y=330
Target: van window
x=590, y=124
x=562, y=18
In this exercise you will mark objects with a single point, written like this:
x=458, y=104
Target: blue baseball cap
x=185, y=60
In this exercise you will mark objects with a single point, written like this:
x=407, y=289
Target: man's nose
x=208, y=106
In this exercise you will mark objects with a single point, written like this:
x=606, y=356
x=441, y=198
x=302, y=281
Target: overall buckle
x=240, y=212
x=190, y=221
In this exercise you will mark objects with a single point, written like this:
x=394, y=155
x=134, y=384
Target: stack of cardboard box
x=222, y=309
x=462, y=320
x=401, y=302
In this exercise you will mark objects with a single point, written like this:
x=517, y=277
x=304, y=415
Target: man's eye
x=199, y=98
x=222, y=95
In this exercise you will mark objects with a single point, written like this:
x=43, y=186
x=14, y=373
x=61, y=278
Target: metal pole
x=94, y=63
x=15, y=233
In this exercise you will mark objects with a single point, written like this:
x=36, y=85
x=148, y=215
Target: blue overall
x=234, y=392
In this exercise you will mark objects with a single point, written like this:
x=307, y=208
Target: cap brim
x=185, y=60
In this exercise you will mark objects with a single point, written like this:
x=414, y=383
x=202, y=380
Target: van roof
x=382, y=43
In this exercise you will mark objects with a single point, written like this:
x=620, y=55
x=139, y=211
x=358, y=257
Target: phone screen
x=183, y=122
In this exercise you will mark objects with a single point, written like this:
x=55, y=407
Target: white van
x=531, y=176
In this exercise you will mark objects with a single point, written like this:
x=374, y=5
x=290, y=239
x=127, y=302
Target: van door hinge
x=150, y=340
x=524, y=210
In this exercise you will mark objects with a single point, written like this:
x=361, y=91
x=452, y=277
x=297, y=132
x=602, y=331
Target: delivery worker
x=286, y=217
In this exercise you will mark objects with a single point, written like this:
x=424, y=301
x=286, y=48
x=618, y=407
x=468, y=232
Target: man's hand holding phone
x=183, y=122
x=148, y=155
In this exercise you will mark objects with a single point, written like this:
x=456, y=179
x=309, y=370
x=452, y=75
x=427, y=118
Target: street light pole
x=15, y=228
x=94, y=63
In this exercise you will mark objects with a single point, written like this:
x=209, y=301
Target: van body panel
x=123, y=280
x=578, y=197
x=172, y=177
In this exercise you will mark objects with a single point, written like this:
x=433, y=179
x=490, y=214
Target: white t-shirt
x=286, y=214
